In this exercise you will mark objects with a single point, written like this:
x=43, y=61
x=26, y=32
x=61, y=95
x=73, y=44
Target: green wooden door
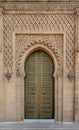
x=39, y=86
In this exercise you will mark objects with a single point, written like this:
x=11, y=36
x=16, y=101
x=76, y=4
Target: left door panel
x=30, y=90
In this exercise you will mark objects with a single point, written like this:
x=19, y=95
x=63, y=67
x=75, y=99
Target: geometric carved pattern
x=39, y=23
x=53, y=42
x=43, y=6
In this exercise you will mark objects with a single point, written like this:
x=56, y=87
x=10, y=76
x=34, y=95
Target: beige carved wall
x=54, y=26
x=39, y=23
x=52, y=41
x=56, y=31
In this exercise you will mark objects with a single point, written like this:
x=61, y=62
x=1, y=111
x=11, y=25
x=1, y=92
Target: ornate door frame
x=49, y=48
x=58, y=78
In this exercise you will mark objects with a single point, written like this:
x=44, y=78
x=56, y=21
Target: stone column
x=58, y=97
x=19, y=98
x=68, y=100
x=2, y=107
x=77, y=69
x=10, y=99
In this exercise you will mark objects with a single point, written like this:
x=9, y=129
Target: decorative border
x=31, y=6
x=33, y=33
x=63, y=22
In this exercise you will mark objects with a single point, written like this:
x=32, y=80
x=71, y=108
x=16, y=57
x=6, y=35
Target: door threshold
x=39, y=121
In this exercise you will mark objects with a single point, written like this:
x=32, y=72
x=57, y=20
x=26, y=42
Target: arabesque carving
x=39, y=23
x=53, y=42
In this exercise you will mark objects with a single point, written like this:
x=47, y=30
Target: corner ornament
x=71, y=75
x=8, y=75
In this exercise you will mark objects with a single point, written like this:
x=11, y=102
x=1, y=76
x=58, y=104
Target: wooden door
x=39, y=86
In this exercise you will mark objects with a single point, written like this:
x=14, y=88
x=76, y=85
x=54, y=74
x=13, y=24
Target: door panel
x=39, y=86
x=30, y=88
x=46, y=86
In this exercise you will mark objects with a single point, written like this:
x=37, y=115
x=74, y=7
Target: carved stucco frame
x=56, y=74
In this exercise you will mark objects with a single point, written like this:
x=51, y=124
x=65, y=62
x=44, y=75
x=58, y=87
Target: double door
x=39, y=86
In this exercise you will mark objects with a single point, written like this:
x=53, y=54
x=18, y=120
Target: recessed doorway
x=39, y=86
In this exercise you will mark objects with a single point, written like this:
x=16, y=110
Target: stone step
x=39, y=127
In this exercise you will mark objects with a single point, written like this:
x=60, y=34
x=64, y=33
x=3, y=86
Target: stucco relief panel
x=39, y=23
x=42, y=6
x=53, y=42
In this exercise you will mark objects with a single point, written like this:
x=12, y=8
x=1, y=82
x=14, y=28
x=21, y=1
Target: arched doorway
x=39, y=86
